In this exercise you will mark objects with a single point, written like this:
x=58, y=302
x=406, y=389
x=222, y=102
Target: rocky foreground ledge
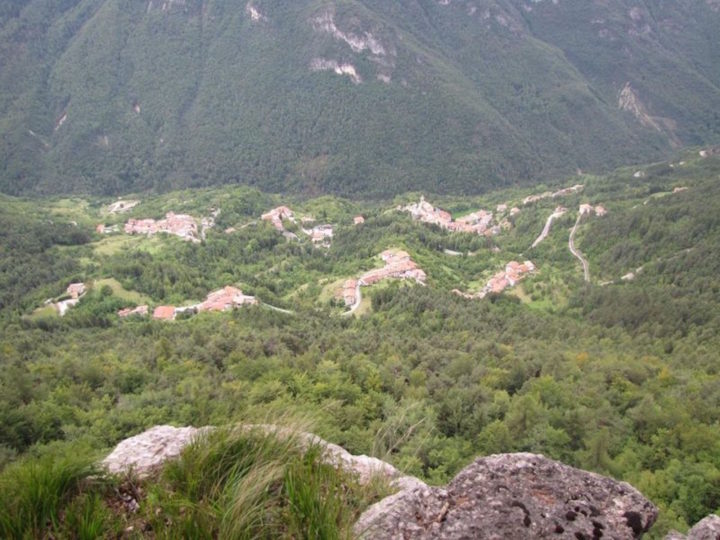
x=496, y=497
x=513, y=496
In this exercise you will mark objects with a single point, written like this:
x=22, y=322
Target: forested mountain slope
x=359, y=97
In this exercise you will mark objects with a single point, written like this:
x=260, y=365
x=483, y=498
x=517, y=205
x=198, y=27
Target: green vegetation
x=476, y=98
x=229, y=484
x=616, y=376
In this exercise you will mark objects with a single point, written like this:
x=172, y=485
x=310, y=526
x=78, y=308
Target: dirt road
x=576, y=252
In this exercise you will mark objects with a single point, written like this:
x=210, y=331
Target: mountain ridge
x=357, y=97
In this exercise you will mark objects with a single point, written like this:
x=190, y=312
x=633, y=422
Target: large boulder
x=513, y=496
x=145, y=452
x=707, y=529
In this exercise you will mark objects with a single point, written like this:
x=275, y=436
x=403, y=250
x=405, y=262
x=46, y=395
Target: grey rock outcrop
x=513, y=496
x=706, y=529
x=145, y=452
x=150, y=449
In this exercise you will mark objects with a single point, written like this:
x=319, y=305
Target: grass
x=44, y=311
x=241, y=483
x=248, y=484
x=34, y=494
x=121, y=292
x=114, y=244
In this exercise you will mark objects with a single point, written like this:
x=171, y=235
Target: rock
x=150, y=449
x=513, y=496
x=706, y=529
x=145, y=452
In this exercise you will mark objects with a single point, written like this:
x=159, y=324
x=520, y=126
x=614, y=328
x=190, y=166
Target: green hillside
x=111, y=96
x=617, y=374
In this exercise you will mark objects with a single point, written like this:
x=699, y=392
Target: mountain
x=357, y=97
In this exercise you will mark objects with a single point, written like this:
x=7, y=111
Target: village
x=479, y=222
x=183, y=226
x=320, y=235
x=398, y=265
x=513, y=274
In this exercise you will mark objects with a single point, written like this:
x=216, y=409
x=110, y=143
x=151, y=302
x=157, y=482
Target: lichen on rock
x=513, y=496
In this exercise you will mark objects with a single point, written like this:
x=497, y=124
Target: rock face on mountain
x=513, y=496
x=707, y=529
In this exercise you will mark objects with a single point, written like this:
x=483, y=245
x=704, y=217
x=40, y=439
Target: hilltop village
x=480, y=222
x=398, y=265
x=183, y=226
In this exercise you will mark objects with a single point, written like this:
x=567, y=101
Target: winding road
x=546, y=229
x=576, y=252
x=279, y=310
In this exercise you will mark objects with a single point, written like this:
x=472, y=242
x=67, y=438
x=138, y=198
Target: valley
x=425, y=330
x=359, y=269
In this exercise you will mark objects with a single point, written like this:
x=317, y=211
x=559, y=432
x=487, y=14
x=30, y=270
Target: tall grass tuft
x=255, y=483
x=34, y=492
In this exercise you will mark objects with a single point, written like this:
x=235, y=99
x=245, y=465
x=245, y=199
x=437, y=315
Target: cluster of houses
x=225, y=299
x=480, y=222
x=182, y=225
x=319, y=235
x=398, y=265
x=589, y=210
x=577, y=188
x=513, y=273
x=276, y=216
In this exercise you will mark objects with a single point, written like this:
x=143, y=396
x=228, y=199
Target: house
x=164, y=313
x=358, y=220
x=600, y=211
x=226, y=299
x=586, y=209
x=349, y=292
x=76, y=290
x=277, y=215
